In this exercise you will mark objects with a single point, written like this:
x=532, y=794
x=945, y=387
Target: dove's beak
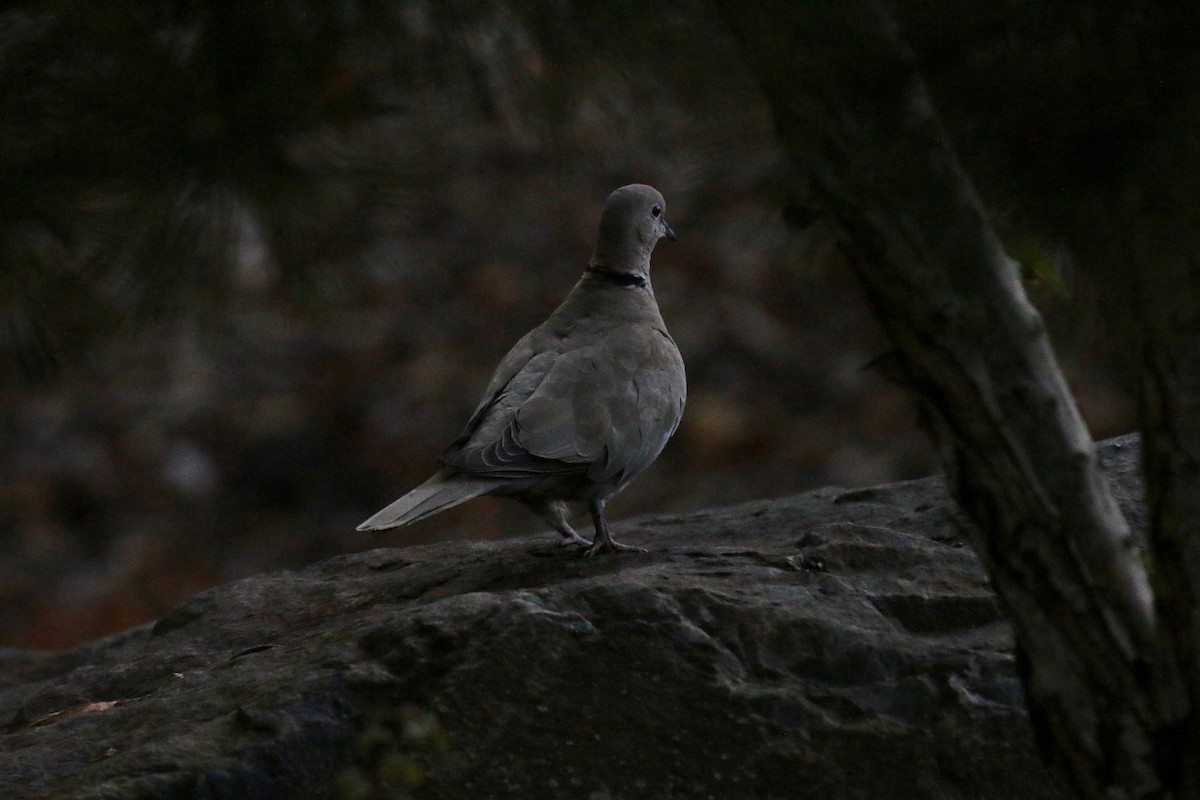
x=670, y=234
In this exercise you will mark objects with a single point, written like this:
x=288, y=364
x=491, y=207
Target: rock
x=835, y=644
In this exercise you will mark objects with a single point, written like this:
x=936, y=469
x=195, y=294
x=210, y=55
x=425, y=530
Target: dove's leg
x=604, y=543
x=555, y=513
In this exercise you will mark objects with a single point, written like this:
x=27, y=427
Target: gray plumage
x=582, y=403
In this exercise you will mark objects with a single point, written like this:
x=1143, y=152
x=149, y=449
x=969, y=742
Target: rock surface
x=839, y=644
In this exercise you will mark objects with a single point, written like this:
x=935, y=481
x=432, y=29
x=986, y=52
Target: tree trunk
x=855, y=117
x=1162, y=240
x=1170, y=405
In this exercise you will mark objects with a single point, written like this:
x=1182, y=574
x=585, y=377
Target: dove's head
x=633, y=220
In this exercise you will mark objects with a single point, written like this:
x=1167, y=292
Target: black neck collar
x=618, y=278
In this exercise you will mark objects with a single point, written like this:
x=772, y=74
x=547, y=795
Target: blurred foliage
x=395, y=750
x=1057, y=104
x=1040, y=263
x=1071, y=118
x=144, y=146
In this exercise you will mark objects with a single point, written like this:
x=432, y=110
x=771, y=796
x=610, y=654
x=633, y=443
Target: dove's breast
x=642, y=408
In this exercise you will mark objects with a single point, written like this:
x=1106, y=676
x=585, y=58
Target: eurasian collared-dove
x=583, y=402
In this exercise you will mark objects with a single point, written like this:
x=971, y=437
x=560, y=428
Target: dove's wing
x=485, y=447
x=602, y=404
x=513, y=364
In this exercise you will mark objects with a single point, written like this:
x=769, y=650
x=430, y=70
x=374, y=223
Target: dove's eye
x=656, y=210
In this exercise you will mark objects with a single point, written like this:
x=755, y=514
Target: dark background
x=258, y=264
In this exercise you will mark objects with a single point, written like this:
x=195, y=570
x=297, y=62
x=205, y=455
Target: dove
x=581, y=404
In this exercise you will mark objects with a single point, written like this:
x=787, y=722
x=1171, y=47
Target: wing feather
x=605, y=408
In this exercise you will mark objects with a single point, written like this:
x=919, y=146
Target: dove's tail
x=436, y=494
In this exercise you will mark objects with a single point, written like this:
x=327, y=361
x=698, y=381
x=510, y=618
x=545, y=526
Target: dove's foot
x=555, y=512
x=572, y=539
x=611, y=547
x=604, y=543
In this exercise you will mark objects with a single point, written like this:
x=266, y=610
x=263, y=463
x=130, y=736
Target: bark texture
x=1164, y=246
x=853, y=113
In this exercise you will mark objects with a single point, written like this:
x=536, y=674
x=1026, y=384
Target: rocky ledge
x=839, y=644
